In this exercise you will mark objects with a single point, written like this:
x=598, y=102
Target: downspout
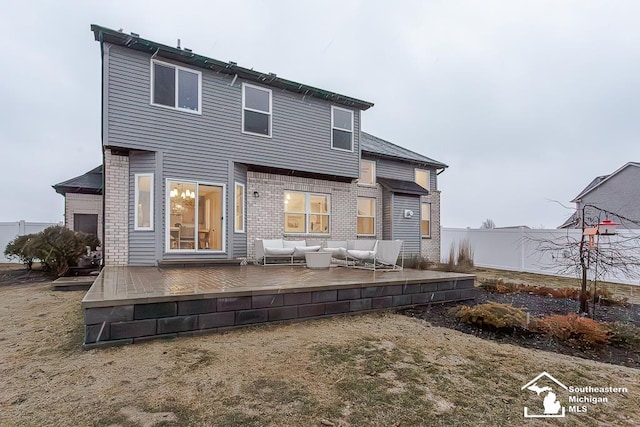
x=104, y=210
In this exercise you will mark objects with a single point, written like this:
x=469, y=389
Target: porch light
x=607, y=227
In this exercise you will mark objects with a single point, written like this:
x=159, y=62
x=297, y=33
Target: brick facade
x=116, y=197
x=265, y=213
x=430, y=247
x=76, y=203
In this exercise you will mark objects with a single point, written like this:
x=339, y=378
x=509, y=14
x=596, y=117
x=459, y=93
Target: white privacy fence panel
x=11, y=230
x=519, y=249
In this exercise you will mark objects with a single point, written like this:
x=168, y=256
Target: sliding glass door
x=195, y=216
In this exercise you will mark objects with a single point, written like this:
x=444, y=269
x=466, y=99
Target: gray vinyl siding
x=406, y=229
x=141, y=243
x=301, y=127
x=386, y=168
x=387, y=207
x=619, y=194
x=240, y=239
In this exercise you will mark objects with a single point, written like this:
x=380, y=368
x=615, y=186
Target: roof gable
x=599, y=180
x=378, y=146
x=88, y=183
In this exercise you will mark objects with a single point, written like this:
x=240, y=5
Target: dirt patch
x=378, y=369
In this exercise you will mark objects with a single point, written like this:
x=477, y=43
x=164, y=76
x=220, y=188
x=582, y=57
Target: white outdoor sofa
x=284, y=252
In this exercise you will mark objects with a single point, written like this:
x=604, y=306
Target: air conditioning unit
x=408, y=213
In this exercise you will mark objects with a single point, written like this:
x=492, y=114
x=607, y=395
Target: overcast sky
x=526, y=101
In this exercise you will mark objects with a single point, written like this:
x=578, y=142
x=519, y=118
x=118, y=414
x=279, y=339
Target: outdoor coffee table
x=318, y=259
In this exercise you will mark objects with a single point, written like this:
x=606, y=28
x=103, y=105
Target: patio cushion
x=279, y=251
x=337, y=252
x=301, y=250
x=361, y=254
x=362, y=245
x=293, y=243
x=275, y=243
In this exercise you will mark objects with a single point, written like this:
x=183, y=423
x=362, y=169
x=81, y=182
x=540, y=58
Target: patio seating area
x=132, y=304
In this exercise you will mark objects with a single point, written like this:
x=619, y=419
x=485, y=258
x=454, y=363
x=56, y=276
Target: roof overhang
x=133, y=41
x=403, y=187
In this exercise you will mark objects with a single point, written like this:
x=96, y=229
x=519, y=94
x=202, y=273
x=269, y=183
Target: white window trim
x=368, y=216
x=235, y=207
x=167, y=225
x=415, y=177
x=270, y=113
x=177, y=67
x=307, y=213
x=375, y=178
x=136, y=227
x=425, y=236
x=333, y=108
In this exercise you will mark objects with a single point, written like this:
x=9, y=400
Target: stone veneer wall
x=430, y=247
x=265, y=213
x=131, y=323
x=83, y=204
x=116, y=199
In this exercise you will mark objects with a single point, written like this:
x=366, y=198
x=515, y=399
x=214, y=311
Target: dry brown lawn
x=368, y=370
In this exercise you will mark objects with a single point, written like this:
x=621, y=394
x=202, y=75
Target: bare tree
x=601, y=255
x=488, y=223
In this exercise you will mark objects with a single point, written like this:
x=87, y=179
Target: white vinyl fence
x=519, y=249
x=11, y=230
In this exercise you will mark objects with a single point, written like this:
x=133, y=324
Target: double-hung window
x=341, y=129
x=367, y=172
x=366, y=216
x=176, y=87
x=143, y=195
x=306, y=213
x=256, y=110
x=425, y=219
x=423, y=178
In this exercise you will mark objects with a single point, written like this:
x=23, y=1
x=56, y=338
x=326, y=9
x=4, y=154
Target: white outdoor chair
x=383, y=256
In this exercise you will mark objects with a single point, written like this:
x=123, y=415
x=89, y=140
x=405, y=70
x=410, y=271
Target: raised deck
x=132, y=304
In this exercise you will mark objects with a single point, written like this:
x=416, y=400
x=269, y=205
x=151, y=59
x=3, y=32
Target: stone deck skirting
x=132, y=323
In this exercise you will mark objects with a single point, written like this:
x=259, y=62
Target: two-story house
x=203, y=157
x=615, y=196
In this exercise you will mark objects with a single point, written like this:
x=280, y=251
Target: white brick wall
x=116, y=196
x=430, y=247
x=83, y=204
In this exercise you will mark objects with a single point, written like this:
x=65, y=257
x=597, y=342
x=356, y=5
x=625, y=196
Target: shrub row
x=581, y=332
x=57, y=248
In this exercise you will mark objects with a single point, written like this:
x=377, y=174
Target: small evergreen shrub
x=21, y=248
x=492, y=315
x=582, y=332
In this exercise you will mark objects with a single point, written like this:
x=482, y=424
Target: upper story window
x=367, y=172
x=423, y=178
x=175, y=87
x=341, y=129
x=256, y=110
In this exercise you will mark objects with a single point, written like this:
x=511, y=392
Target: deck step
x=74, y=283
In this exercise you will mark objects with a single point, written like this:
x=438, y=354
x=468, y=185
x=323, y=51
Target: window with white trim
x=367, y=172
x=256, y=110
x=239, y=208
x=425, y=219
x=341, y=129
x=366, y=216
x=423, y=178
x=143, y=199
x=176, y=87
x=306, y=213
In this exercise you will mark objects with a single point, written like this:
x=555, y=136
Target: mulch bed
x=538, y=306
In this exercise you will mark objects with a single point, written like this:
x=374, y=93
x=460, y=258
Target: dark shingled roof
x=379, y=147
x=89, y=183
x=403, y=187
x=135, y=42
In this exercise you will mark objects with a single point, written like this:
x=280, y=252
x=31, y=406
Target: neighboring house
x=618, y=192
x=203, y=157
x=83, y=202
